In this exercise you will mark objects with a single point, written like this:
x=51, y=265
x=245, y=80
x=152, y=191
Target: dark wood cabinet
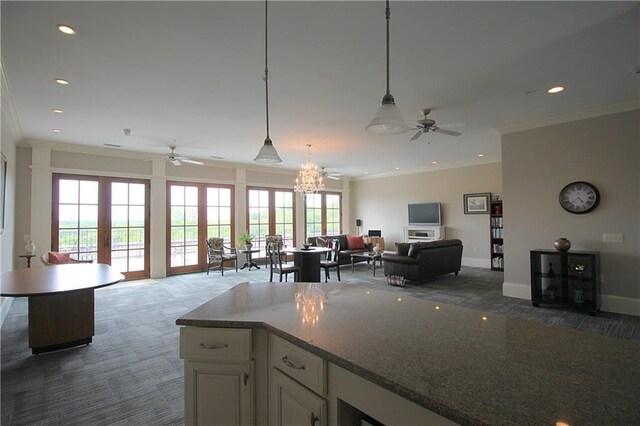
x=567, y=279
x=497, y=242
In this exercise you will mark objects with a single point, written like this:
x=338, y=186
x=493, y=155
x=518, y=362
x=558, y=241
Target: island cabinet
x=219, y=376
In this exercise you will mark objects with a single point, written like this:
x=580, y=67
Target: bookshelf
x=496, y=237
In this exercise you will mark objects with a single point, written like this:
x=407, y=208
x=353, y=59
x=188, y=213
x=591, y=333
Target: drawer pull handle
x=292, y=365
x=203, y=346
x=245, y=377
x=314, y=419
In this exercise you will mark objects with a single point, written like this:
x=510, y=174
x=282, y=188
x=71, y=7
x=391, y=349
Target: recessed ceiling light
x=56, y=130
x=66, y=29
x=434, y=162
x=112, y=145
x=58, y=111
x=62, y=81
x=397, y=168
x=480, y=155
x=556, y=89
x=366, y=173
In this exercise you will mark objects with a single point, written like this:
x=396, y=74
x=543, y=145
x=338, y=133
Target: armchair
x=217, y=254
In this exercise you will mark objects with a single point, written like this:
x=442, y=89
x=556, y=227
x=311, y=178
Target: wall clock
x=579, y=197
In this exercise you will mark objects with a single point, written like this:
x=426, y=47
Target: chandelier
x=309, y=180
x=309, y=303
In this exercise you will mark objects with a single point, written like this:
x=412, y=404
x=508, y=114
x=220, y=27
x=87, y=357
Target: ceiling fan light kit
x=267, y=153
x=388, y=119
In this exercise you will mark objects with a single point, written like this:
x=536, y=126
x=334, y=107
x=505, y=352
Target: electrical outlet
x=612, y=238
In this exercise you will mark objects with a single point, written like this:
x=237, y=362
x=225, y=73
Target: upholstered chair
x=218, y=253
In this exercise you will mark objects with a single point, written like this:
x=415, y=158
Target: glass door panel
x=77, y=219
x=258, y=209
x=183, y=226
x=284, y=216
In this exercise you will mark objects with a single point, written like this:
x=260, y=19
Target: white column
x=158, y=220
x=240, y=196
x=41, y=201
x=347, y=220
x=300, y=218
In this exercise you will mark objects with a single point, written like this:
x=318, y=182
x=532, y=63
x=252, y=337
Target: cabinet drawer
x=306, y=368
x=215, y=344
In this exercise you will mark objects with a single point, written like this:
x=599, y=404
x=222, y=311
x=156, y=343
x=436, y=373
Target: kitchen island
x=467, y=366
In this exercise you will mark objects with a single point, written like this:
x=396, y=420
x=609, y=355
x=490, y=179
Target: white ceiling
x=192, y=72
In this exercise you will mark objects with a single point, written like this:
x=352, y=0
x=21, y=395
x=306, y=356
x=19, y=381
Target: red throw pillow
x=56, y=258
x=355, y=242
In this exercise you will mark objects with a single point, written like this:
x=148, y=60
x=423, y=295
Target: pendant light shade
x=388, y=119
x=267, y=153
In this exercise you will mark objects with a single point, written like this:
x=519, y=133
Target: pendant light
x=267, y=153
x=388, y=119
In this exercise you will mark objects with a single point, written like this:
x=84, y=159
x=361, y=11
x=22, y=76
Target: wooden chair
x=331, y=260
x=275, y=256
x=274, y=239
x=217, y=254
x=60, y=258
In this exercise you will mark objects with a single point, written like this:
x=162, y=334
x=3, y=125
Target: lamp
x=267, y=153
x=388, y=119
x=309, y=179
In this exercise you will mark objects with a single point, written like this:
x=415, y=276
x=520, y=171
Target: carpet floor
x=131, y=374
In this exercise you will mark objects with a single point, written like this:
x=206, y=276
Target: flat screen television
x=425, y=214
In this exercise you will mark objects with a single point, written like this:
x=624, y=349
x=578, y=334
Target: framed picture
x=477, y=203
x=3, y=188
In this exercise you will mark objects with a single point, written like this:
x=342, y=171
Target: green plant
x=245, y=237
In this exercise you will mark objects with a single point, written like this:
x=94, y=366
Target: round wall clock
x=579, y=197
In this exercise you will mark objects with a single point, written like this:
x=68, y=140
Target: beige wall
x=382, y=204
x=538, y=163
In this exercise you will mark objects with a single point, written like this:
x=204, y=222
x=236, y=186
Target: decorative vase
x=248, y=245
x=562, y=244
x=30, y=248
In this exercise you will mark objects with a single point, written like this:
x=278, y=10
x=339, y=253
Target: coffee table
x=61, y=301
x=368, y=256
x=250, y=263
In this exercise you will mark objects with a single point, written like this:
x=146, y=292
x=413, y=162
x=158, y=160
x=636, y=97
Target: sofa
x=344, y=255
x=421, y=260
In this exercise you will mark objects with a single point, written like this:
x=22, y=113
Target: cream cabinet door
x=291, y=404
x=218, y=394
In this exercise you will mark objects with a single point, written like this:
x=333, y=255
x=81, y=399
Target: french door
x=104, y=219
x=270, y=212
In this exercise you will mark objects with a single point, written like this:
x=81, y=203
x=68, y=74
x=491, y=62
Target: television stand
x=414, y=234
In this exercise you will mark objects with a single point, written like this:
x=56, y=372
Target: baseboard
x=608, y=303
x=519, y=291
x=476, y=262
x=620, y=305
x=5, y=305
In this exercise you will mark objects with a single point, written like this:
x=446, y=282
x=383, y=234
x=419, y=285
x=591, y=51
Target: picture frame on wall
x=477, y=203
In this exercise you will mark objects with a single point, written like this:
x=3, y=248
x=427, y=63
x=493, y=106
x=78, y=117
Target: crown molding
x=433, y=168
x=581, y=114
x=9, y=106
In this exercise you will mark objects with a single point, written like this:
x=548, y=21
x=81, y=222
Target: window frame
x=323, y=212
x=272, y=212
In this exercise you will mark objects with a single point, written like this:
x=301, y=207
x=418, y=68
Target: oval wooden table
x=61, y=301
x=308, y=261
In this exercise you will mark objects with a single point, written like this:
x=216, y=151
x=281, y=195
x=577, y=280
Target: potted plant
x=246, y=239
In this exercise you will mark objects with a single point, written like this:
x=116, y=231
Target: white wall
x=382, y=204
x=538, y=163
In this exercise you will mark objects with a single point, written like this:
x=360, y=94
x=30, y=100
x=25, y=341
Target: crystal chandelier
x=309, y=180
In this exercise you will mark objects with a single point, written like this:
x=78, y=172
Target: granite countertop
x=468, y=366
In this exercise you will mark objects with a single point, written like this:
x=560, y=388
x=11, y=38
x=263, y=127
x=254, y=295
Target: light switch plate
x=612, y=238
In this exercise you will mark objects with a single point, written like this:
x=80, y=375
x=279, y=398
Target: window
x=270, y=212
x=196, y=211
x=103, y=219
x=323, y=214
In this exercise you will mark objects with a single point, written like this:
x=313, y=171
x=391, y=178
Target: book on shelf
x=497, y=262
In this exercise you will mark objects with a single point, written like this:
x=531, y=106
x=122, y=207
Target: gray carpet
x=131, y=373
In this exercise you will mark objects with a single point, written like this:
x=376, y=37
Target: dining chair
x=275, y=256
x=217, y=254
x=331, y=261
x=274, y=239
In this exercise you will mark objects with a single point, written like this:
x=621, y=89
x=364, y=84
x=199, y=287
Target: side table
x=249, y=263
x=28, y=257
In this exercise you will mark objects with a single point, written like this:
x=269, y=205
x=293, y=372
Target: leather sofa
x=421, y=260
x=344, y=255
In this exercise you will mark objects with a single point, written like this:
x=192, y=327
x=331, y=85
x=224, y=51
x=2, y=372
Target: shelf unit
x=496, y=237
x=414, y=234
x=567, y=279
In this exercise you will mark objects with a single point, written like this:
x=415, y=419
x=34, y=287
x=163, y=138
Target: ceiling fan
x=329, y=175
x=427, y=124
x=177, y=160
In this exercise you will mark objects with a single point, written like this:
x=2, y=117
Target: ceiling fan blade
x=185, y=160
x=445, y=131
x=417, y=135
x=175, y=162
x=334, y=177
